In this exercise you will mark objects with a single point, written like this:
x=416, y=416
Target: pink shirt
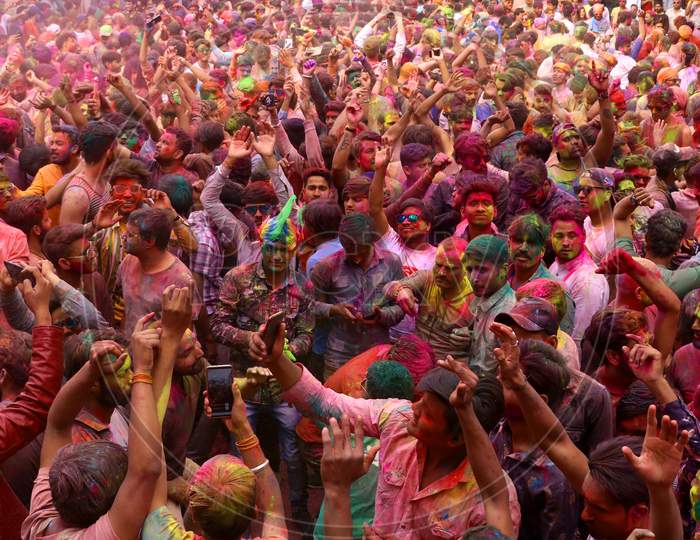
x=445, y=509
x=42, y=514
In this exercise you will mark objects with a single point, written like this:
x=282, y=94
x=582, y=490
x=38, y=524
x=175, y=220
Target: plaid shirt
x=208, y=260
x=246, y=301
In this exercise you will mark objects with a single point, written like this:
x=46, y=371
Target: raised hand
x=144, y=341
x=116, y=80
x=455, y=82
x=258, y=350
x=641, y=534
x=342, y=463
x=160, y=199
x=107, y=356
x=241, y=146
x=645, y=361
x=286, y=58
x=598, y=79
x=107, y=215
x=440, y=162
x=36, y=296
x=177, y=309
x=461, y=396
x=660, y=460
x=508, y=356
x=354, y=114
x=264, y=144
x=381, y=157
x=644, y=197
x=42, y=101
x=617, y=261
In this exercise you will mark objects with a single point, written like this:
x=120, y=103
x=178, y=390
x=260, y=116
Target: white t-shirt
x=599, y=240
x=412, y=261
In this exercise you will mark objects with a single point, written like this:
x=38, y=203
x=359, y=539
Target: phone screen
x=219, y=390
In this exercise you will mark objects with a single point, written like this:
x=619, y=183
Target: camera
x=268, y=100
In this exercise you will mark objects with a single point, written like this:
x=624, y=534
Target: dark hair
x=665, y=231
x=153, y=224
x=322, y=217
x=63, y=37
x=530, y=226
x=210, y=135
x=536, y=146
x=518, y=112
x=634, y=402
x=259, y=193
x=84, y=480
x=567, y=212
x=133, y=169
x=16, y=356
x=371, y=136
x=527, y=174
x=611, y=470
x=488, y=401
x=178, y=191
x=545, y=369
x=25, y=212
x=76, y=350
x=418, y=133
x=317, y=171
x=232, y=195
x=96, y=139
x=34, y=157
x=111, y=56
x=478, y=185
x=415, y=152
x=426, y=214
x=608, y=332
x=58, y=240
x=183, y=141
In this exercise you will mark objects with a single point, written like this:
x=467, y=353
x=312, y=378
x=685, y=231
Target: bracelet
x=603, y=95
x=306, y=76
x=248, y=443
x=260, y=467
x=351, y=130
x=145, y=378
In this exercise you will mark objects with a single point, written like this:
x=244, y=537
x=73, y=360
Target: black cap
x=533, y=315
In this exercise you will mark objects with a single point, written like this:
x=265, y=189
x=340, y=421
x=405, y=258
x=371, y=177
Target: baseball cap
x=440, y=381
x=669, y=154
x=533, y=315
x=106, y=30
x=601, y=177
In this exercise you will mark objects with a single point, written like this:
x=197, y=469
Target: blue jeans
x=287, y=418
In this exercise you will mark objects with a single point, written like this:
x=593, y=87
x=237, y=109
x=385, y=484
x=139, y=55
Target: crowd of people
x=477, y=222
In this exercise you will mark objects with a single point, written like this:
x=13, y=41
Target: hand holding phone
x=19, y=272
x=271, y=329
x=219, y=379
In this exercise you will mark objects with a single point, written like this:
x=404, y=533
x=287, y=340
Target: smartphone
x=436, y=53
x=155, y=20
x=219, y=379
x=271, y=329
x=288, y=43
x=18, y=272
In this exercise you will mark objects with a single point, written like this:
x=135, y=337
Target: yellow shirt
x=46, y=178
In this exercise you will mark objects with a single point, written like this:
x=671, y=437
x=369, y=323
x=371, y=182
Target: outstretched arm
x=543, y=424
x=489, y=475
x=25, y=417
x=666, y=301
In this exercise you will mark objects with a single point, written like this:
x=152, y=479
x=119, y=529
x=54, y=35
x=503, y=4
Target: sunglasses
x=411, y=218
x=586, y=190
x=120, y=189
x=253, y=209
